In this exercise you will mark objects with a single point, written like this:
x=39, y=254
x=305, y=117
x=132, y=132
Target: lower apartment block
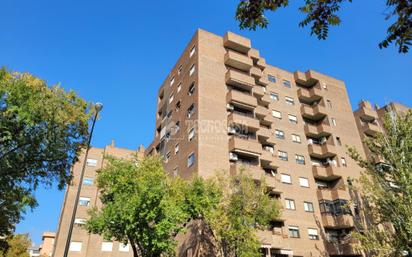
x=222, y=107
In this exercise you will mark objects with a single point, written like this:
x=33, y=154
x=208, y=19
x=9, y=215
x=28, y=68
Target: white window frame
x=300, y=159
x=84, y=199
x=75, y=246
x=290, y=204
x=192, y=69
x=91, y=162
x=177, y=148
x=286, y=178
x=282, y=155
x=190, y=164
x=296, y=138
x=292, y=118
x=343, y=162
x=172, y=81
x=333, y=121
x=274, y=96
x=191, y=134
x=313, y=234
x=306, y=207
x=107, y=247
x=124, y=247
x=179, y=87
x=171, y=98
x=192, y=51
x=79, y=221
x=304, y=182
x=279, y=134
x=88, y=179
x=289, y=100
x=277, y=114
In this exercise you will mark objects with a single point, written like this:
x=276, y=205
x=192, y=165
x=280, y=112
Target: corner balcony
x=268, y=160
x=263, y=80
x=370, y=129
x=272, y=238
x=254, y=171
x=328, y=173
x=305, y=79
x=332, y=194
x=322, y=151
x=261, y=111
x=253, y=53
x=238, y=79
x=258, y=91
x=241, y=98
x=245, y=145
x=263, y=133
x=238, y=61
x=314, y=113
x=337, y=222
x=261, y=63
x=268, y=120
x=309, y=95
x=317, y=131
x=343, y=248
x=243, y=120
x=366, y=112
x=256, y=72
x=237, y=42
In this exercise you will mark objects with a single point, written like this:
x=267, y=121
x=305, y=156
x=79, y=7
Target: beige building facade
x=83, y=244
x=223, y=107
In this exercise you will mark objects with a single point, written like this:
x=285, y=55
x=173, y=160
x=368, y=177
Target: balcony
x=343, y=248
x=366, y=112
x=254, y=171
x=253, y=53
x=244, y=120
x=314, y=113
x=322, y=151
x=272, y=238
x=332, y=194
x=309, y=95
x=255, y=72
x=305, y=78
x=259, y=91
x=261, y=63
x=238, y=79
x=370, y=129
x=236, y=42
x=238, y=61
x=328, y=173
x=263, y=80
x=261, y=111
x=241, y=98
x=265, y=99
x=268, y=120
x=317, y=131
x=263, y=133
x=268, y=160
x=337, y=222
x=244, y=145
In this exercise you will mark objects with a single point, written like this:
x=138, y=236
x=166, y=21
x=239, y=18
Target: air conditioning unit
x=231, y=130
x=233, y=157
x=230, y=107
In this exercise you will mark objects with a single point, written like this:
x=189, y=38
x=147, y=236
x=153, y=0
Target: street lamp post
x=98, y=107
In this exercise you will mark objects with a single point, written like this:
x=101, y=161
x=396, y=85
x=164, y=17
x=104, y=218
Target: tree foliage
x=42, y=130
x=321, y=14
x=141, y=205
x=387, y=189
x=17, y=246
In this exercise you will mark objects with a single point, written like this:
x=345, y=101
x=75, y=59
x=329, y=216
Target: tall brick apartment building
x=83, y=244
x=223, y=107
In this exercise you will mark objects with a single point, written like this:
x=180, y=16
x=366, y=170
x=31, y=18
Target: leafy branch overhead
x=320, y=14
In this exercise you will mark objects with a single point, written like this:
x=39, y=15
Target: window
x=107, y=246
x=169, y=114
x=289, y=100
x=285, y=178
x=333, y=121
x=175, y=171
x=191, y=134
x=190, y=111
x=172, y=81
x=337, y=207
x=283, y=155
x=191, y=160
x=179, y=87
x=292, y=119
x=296, y=138
x=191, y=89
x=192, y=70
x=192, y=51
x=290, y=204
x=171, y=97
x=279, y=134
x=313, y=234
x=123, y=247
x=178, y=105
x=343, y=161
x=324, y=86
x=75, y=246
x=91, y=162
x=286, y=83
x=176, y=127
x=276, y=114
x=167, y=157
x=84, y=201
x=308, y=206
x=272, y=78
x=329, y=103
x=303, y=182
x=79, y=221
x=88, y=181
x=179, y=71
x=274, y=96
x=338, y=141
x=176, y=148
x=300, y=159
x=294, y=232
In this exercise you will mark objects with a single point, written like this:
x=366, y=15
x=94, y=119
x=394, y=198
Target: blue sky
x=119, y=52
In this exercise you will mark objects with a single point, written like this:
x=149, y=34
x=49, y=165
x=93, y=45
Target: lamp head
x=98, y=106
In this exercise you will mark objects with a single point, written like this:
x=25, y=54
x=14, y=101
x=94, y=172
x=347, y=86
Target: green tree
x=17, y=246
x=42, y=130
x=320, y=14
x=234, y=208
x=141, y=205
x=387, y=189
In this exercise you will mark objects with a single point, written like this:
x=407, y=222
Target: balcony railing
x=238, y=61
x=239, y=79
x=309, y=95
x=241, y=98
x=313, y=112
x=244, y=144
x=236, y=42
